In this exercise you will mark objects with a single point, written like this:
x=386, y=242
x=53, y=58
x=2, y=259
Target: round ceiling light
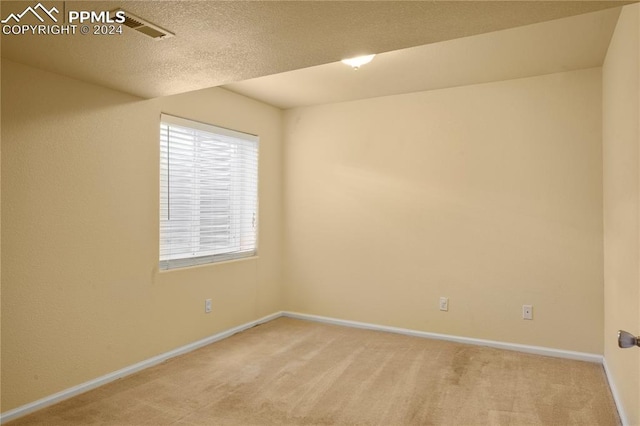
x=358, y=61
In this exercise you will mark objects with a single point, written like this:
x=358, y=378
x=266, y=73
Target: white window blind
x=208, y=193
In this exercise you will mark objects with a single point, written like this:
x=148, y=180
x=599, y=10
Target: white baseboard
x=92, y=384
x=616, y=395
x=103, y=380
x=538, y=350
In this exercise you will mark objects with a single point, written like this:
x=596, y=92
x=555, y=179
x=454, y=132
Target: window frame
x=238, y=187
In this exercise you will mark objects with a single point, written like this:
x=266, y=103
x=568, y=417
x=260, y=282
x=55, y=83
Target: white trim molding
x=616, y=395
x=107, y=378
x=103, y=380
x=538, y=350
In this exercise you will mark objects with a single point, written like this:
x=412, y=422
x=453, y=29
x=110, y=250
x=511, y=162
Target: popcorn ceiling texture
x=223, y=42
x=484, y=58
x=81, y=294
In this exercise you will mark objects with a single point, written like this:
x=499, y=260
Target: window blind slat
x=208, y=193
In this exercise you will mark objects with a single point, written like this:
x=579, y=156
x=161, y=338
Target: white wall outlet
x=444, y=303
x=207, y=306
x=527, y=312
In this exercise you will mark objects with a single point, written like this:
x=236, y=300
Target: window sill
x=212, y=264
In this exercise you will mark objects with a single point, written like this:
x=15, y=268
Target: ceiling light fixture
x=359, y=61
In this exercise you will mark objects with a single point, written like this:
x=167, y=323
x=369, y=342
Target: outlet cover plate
x=444, y=303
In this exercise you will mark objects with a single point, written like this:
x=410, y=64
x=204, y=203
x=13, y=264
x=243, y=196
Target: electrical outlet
x=527, y=312
x=444, y=303
x=207, y=306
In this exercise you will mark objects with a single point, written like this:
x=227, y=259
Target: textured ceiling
x=565, y=44
x=219, y=42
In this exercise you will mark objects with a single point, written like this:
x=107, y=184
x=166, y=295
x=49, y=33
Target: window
x=208, y=193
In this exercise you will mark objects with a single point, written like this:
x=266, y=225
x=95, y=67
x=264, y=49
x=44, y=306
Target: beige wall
x=81, y=293
x=487, y=194
x=0, y=239
x=621, y=156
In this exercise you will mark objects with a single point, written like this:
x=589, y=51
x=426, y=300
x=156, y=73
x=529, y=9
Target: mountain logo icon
x=34, y=11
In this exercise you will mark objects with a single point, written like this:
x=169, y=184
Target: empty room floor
x=291, y=371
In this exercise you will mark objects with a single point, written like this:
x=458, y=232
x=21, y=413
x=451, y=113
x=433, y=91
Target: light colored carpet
x=298, y=372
